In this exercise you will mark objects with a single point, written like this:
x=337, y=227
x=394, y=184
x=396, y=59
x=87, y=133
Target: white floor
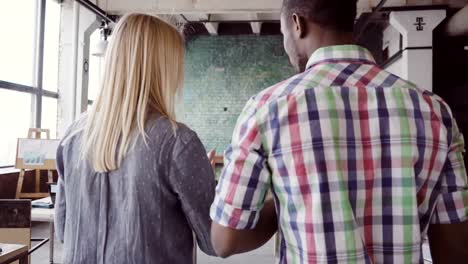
x=263, y=255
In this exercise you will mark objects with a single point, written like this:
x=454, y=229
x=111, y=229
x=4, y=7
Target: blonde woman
x=134, y=185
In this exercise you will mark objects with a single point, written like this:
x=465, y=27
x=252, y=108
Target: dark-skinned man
x=362, y=164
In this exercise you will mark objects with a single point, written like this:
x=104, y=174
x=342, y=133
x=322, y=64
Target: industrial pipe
x=96, y=10
x=376, y=10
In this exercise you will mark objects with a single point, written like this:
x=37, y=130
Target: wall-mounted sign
x=420, y=24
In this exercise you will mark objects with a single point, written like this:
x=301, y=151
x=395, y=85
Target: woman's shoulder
x=75, y=129
x=162, y=126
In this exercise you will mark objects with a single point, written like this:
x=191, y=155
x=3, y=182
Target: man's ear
x=300, y=25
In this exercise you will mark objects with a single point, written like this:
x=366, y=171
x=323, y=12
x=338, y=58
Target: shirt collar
x=342, y=53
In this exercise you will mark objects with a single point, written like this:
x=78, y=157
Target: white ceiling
x=236, y=6
x=235, y=10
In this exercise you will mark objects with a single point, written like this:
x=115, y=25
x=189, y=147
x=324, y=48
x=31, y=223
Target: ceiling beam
x=458, y=24
x=256, y=26
x=202, y=16
x=212, y=28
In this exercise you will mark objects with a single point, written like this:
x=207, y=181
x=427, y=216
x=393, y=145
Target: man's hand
x=227, y=241
x=211, y=158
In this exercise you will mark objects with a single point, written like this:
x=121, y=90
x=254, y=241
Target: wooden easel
x=35, y=133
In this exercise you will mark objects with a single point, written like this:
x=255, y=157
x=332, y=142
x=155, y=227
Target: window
x=26, y=101
x=49, y=115
x=51, y=46
x=17, y=48
x=15, y=115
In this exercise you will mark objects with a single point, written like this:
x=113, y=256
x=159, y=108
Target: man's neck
x=331, y=38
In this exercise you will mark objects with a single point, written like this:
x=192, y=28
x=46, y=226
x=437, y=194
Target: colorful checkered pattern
x=359, y=161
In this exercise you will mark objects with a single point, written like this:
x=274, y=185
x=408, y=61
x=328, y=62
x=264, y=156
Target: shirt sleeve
x=245, y=179
x=60, y=202
x=192, y=178
x=452, y=206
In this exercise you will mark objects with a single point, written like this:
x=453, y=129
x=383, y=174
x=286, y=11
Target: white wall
x=391, y=40
x=416, y=63
x=66, y=95
x=397, y=68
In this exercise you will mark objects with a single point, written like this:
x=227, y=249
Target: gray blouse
x=144, y=212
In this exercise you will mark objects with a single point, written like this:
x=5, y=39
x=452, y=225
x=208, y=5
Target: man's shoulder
x=424, y=99
x=280, y=90
x=425, y=94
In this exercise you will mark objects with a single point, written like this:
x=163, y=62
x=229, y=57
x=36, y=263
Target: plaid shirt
x=359, y=161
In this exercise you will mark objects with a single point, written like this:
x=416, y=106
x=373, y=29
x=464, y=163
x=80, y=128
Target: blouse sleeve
x=60, y=202
x=192, y=178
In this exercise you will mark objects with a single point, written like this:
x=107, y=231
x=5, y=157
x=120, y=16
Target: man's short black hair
x=337, y=15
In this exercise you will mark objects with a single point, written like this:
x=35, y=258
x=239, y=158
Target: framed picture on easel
x=35, y=153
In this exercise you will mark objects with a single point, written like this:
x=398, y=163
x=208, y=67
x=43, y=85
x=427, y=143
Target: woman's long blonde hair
x=143, y=71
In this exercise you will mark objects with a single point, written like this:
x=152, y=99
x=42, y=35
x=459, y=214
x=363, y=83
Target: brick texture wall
x=222, y=73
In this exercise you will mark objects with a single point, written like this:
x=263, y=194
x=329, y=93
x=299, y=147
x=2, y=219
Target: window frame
x=37, y=91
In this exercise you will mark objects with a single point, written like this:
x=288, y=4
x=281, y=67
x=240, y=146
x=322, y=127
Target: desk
x=46, y=215
x=13, y=252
